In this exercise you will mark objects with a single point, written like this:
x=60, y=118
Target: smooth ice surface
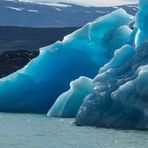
x=142, y=23
x=68, y=104
x=36, y=87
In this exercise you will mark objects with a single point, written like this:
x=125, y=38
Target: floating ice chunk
x=68, y=104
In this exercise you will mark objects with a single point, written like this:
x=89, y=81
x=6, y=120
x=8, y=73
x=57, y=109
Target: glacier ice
x=36, y=87
x=106, y=64
x=120, y=99
x=120, y=58
x=141, y=23
x=118, y=96
x=97, y=105
x=120, y=36
x=57, y=111
x=68, y=104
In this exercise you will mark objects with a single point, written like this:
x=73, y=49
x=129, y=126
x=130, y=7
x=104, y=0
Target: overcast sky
x=90, y=2
x=100, y=2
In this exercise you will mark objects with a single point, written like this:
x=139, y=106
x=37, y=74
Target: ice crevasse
x=35, y=87
x=119, y=98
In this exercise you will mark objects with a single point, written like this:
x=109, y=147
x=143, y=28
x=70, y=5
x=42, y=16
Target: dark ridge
x=20, y=38
x=19, y=45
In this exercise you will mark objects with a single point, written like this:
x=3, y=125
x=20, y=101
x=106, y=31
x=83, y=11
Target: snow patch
x=35, y=11
x=15, y=8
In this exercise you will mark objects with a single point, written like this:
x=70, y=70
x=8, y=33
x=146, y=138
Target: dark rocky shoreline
x=19, y=45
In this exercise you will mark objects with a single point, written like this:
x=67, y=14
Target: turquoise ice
x=142, y=23
x=106, y=65
x=68, y=104
x=36, y=87
x=65, y=106
x=120, y=99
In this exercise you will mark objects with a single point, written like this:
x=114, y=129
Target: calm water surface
x=39, y=131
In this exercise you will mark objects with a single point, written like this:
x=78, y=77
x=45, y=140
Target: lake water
x=39, y=131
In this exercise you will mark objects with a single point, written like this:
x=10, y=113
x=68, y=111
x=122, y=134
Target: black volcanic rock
x=11, y=61
x=19, y=45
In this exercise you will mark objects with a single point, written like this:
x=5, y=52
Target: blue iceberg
x=106, y=65
x=68, y=104
x=141, y=23
x=120, y=98
x=61, y=106
x=36, y=87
